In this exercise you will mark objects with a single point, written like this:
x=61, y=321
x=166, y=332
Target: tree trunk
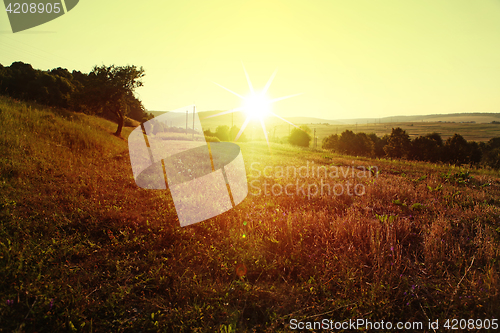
x=121, y=121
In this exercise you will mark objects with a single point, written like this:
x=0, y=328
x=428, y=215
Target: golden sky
x=349, y=58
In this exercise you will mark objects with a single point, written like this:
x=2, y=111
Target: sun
x=256, y=105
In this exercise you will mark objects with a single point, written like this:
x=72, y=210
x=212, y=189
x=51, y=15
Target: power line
x=21, y=52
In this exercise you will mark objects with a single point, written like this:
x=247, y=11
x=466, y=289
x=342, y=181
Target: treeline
x=431, y=147
x=225, y=133
x=106, y=90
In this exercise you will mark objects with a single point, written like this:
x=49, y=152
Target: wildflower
x=51, y=304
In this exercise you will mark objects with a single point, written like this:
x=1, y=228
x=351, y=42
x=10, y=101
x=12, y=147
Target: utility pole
x=187, y=122
x=194, y=111
x=315, y=138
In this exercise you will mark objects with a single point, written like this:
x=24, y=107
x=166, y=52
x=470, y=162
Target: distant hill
x=312, y=120
x=479, y=118
x=239, y=117
x=156, y=113
x=202, y=114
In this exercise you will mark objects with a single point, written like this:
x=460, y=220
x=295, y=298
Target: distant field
x=474, y=132
x=278, y=128
x=477, y=117
x=482, y=130
x=480, y=119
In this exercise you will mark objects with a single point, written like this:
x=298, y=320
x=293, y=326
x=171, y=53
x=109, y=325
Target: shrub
x=211, y=139
x=300, y=137
x=233, y=132
x=426, y=148
x=331, y=142
x=222, y=132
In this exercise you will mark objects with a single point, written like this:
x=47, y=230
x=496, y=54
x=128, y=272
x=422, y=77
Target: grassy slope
x=82, y=248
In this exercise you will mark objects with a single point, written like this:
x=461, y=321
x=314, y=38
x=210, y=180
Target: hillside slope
x=82, y=248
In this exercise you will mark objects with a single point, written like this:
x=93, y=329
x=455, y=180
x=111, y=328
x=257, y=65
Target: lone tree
x=398, y=144
x=427, y=148
x=300, y=137
x=222, y=132
x=331, y=142
x=456, y=150
x=111, y=88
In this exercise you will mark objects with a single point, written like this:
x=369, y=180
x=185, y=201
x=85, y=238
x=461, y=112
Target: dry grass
x=83, y=249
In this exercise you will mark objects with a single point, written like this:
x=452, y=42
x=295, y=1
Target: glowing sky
x=349, y=58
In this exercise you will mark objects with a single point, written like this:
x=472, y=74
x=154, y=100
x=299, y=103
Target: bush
x=427, y=148
x=234, y=132
x=211, y=139
x=300, y=137
x=208, y=132
x=130, y=122
x=222, y=132
x=331, y=142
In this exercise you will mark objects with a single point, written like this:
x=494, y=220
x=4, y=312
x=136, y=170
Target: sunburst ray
x=249, y=106
x=232, y=92
x=248, y=80
x=242, y=128
x=225, y=112
x=268, y=84
x=284, y=97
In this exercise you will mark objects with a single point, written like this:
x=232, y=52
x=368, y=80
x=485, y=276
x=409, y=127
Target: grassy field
x=83, y=249
x=471, y=132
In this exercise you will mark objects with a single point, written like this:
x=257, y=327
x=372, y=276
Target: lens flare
x=256, y=106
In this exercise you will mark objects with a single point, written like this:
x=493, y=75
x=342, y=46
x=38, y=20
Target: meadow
x=83, y=249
